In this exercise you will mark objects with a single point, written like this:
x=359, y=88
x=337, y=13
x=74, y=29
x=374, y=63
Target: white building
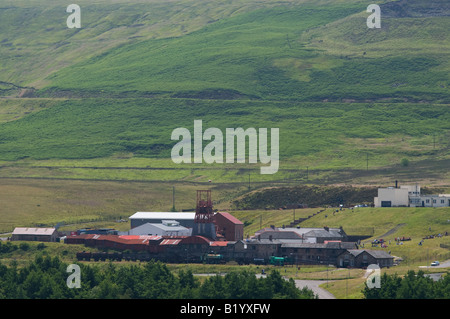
x=185, y=219
x=409, y=196
x=166, y=228
x=392, y=197
x=35, y=234
x=441, y=200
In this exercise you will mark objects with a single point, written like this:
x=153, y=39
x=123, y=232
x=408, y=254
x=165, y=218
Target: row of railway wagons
x=208, y=258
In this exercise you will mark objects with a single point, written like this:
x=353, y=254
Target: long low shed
x=35, y=234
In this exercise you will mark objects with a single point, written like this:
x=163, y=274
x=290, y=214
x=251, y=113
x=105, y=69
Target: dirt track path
x=393, y=230
x=388, y=233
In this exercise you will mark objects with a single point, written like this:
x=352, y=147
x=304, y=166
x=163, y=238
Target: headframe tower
x=204, y=215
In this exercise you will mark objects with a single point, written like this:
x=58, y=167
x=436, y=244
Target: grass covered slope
x=90, y=128
x=339, y=92
x=234, y=54
x=303, y=52
x=35, y=40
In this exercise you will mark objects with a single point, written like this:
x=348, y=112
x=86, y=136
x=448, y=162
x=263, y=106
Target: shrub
x=24, y=246
x=405, y=162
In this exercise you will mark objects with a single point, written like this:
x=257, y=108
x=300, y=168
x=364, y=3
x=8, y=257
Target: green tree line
x=411, y=286
x=46, y=278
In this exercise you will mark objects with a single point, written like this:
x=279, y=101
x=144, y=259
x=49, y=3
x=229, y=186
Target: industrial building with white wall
x=165, y=228
x=185, y=219
x=409, y=196
x=182, y=224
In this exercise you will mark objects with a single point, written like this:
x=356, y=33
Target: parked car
x=435, y=263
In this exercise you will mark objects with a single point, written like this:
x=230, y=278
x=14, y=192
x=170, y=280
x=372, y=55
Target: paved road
x=443, y=264
x=323, y=294
x=435, y=276
x=311, y=284
x=314, y=286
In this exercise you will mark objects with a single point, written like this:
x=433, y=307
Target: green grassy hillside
x=340, y=134
x=303, y=50
x=236, y=54
x=273, y=54
x=110, y=94
x=36, y=42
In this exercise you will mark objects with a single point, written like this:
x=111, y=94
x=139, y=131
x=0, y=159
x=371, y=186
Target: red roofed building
x=134, y=243
x=170, y=241
x=77, y=239
x=195, y=240
x=228, y=226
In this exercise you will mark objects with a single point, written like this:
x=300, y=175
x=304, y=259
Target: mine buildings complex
x=215, y=237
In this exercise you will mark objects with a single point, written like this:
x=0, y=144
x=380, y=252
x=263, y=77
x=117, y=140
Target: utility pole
x=173, y=199
x=367, y=161
x=249, y=181
x=327, y=275
x=346, y=290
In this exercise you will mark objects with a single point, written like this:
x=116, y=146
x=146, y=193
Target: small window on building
x=442, y=201
x=434, y=201
x=428, y=201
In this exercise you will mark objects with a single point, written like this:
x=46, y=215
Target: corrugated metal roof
x=170, y=242
x=33, y=231
x=195, y=240
x=126, y=239
x=219, y=243
x=169, y=228
x=163, y=215
x=141, y=237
